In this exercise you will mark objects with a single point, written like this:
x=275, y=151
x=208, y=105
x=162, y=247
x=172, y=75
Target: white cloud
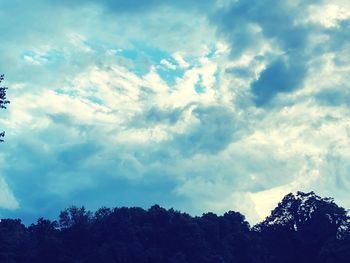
x=178, y=56
x=7, y=199
x=329, y=15
x=92, y=116
x=167, y=64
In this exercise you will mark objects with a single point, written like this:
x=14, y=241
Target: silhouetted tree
x=13, y=240
x=301, y=225
x=3, y=102
x=45, y=245
x=74, y=217
x=302, y=228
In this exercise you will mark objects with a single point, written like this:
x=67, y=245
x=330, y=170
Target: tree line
x=302, y=228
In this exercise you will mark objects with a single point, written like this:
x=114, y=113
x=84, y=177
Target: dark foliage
x=302, y=228
x=3, y=102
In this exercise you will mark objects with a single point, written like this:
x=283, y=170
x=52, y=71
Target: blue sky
x=202, y=106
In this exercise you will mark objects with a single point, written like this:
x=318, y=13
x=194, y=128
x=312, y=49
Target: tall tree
x=3, y=102
x=301, y=226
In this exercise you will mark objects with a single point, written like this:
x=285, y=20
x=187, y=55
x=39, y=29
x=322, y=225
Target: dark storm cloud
x=212, y=134
x=279, y=76
x=247, y=25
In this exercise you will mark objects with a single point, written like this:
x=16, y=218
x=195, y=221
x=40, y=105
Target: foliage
x=3, y=102
x=302, y=228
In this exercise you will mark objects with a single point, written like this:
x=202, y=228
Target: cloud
x=7, y=199
x=212, y=131
x=180, y=60
x=135, y=6
x=168, y=64
x=273, y=34
x=206, y=106
x=333, y=97
x=278, y=77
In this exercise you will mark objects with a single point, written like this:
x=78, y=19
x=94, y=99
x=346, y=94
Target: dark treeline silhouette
x=302, y=228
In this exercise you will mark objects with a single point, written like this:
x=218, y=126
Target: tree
x=301, y=225
x=303, y=228
x=308, y=212
x=45, y=244
x=13, y=240
x=3, y=102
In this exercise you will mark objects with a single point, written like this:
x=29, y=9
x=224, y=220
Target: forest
x=304, y=227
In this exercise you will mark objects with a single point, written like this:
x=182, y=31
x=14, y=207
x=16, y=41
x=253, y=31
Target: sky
x=209, y=105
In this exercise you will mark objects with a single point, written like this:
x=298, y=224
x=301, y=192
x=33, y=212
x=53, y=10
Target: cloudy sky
x=208, y=105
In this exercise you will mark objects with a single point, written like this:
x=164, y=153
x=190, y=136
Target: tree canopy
x=3, y=102
x=302, y=228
